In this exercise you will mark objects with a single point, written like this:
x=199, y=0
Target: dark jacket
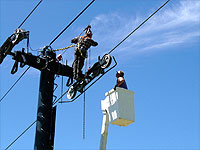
x=84, y=41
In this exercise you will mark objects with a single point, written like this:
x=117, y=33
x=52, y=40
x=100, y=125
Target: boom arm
x=104, y=130
x=41, y=63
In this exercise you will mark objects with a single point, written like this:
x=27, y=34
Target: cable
x=14, y=83
x=21, y=134
x=29, y=67
x=88, y=86
x=50, y=42
x=70, y=23
x=84, y=115
x=113, y=50
x=91, y=84
x=61, y=86
x=30, y=14
x=138, y=27
x=28, y=44
x=29, y=125
x=89, y=65
x=62, y=82
x=86, y=63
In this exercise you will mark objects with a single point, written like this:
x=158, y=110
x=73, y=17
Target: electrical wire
x=89, y=58
x=28, y=44
x=29, y=66
x=84, y=115
x=138, y=27
x=62, y=82
x=14, y=84
x=87, y=87
x=97, y=79
x=49, y=44
x=116, y=47
x=27, y=127
x=62, y=86
x=70, y=23
x=21, y=134
x=30, y=13
x=84, y=109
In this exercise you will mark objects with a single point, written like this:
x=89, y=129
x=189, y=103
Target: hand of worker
x=59, y=57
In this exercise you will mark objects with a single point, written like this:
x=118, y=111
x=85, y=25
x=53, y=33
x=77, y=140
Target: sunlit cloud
x=177, y=23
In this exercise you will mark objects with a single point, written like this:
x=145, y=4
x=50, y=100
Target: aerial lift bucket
x=118, y=109
x=119, y=105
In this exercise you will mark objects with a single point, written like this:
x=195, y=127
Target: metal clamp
x=14, y=68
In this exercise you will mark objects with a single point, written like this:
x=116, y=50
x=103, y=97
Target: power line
x=87, y=87
x=115, y=48
x=49, y=44
x=29, y=66
x=137, y=27
x=84, y=116
x=91, y=84
x=30, y=14
x=84, y=109
x=14, y=83
x=70, y=23
x=21, y=134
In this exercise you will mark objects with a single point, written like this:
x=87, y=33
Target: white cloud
x=176, y=23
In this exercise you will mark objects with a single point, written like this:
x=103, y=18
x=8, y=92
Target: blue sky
x=160, y=61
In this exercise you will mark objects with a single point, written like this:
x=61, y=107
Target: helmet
x=89, y=34
x=88, y=31
x=121, y=73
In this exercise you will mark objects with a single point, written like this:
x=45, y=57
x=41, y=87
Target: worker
x=120, y=80
x=83, y=43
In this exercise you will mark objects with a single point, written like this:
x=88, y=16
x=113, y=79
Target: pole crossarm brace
x=41, y=63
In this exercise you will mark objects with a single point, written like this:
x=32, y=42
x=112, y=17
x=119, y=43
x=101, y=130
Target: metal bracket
x=88, y=86
x=14, y=68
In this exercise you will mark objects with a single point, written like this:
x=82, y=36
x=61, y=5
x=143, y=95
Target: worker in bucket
x=83, y=43
x=120, y=80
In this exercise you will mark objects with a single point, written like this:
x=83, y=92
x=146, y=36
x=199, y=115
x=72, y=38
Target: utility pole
x=49, y=66
x=44, y=136
x=46, y=113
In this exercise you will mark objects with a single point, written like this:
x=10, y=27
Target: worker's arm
x=75, y=40
x=93, y=43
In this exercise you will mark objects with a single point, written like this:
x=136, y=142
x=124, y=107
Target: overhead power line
x=91, y=84
x=30, y=13
x=114, y=49
x=21, y=134
x=70, y=23
x=50, y=42
x=28, y=67
x=137, y=27
x=14, y=84
x=84, y=116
